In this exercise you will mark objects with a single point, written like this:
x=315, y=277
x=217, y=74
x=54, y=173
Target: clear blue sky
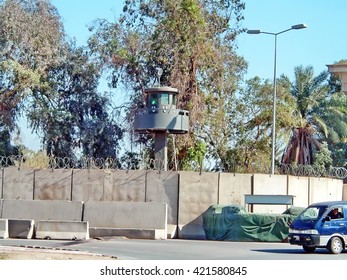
x=323, y=42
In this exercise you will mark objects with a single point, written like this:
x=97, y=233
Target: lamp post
x=294, y=27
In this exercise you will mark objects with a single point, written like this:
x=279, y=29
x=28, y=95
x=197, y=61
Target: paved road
x=178, y=249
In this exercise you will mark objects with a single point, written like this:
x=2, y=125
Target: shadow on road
x=299, y=251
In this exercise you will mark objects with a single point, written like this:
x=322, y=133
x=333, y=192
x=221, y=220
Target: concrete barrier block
x=3, y=228
x=112, y=214
x=132, y=233
x=172, y=231
x=43, y=210
x=20, y=228
x=71, y=230
x=131, y=219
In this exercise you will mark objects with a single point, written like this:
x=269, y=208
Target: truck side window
x=336, y=213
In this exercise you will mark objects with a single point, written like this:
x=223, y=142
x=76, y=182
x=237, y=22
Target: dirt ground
x=17, y=253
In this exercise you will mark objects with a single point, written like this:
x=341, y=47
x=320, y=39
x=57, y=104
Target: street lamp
x=294, y=27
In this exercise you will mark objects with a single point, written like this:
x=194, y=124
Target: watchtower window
x=154, y=99
x=173, y=99
x=164, y=99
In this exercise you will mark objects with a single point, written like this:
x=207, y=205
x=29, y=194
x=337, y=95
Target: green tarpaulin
x=234, y=223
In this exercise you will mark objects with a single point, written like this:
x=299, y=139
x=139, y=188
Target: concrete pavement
x=177, y=249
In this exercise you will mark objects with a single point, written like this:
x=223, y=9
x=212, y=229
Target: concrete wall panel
x=344, y=192
x=1, y=208
x=269, y=184
x=111, y=214
x=53, y=184
x=87, y=184
x=299, y=187
x=335, y=188
x=325, y=189
x=233, y=187
x=125, y=185
x=163, y=187
x=197, y=192
x=18, y=183
x=1, y=183
x=42, y=210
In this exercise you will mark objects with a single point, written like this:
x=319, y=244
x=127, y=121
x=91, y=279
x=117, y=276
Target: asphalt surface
x=174, y=249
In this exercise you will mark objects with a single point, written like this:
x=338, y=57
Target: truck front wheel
x=335, y=245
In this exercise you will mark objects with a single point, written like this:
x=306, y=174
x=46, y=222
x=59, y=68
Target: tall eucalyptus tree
x=31, y=35
x=46, y=78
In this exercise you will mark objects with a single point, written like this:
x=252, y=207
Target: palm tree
x=334, y=114
x=310, y=93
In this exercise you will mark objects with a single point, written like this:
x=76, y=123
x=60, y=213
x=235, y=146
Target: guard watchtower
x=340, y=69
x=161, y=117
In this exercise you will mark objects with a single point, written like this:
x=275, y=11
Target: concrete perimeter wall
x=187, y=194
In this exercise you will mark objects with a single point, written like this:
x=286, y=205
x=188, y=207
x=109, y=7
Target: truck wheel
x=335, y=245
x=309, y=249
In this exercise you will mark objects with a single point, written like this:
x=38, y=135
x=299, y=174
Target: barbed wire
x=42, y=162
x=315, y=171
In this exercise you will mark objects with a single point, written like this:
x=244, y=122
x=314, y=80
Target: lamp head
x=256, y=31
x=299, y=26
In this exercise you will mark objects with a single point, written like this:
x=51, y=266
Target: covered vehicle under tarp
x=234, y=223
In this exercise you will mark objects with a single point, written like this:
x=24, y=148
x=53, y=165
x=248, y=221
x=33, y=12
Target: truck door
x=336, y=224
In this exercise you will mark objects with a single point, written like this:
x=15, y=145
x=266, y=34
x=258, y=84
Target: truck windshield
x=312, y=213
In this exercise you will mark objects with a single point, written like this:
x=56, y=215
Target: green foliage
x=53, y=83
x=30, y=42
x=248, y=127
x=308, y=90
x=193, y=160
x=323, y=158
x=6, y=148
x=31, y=38
x=75, y=116
x=334, y=114
x=130, y=160
x=37, y=160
